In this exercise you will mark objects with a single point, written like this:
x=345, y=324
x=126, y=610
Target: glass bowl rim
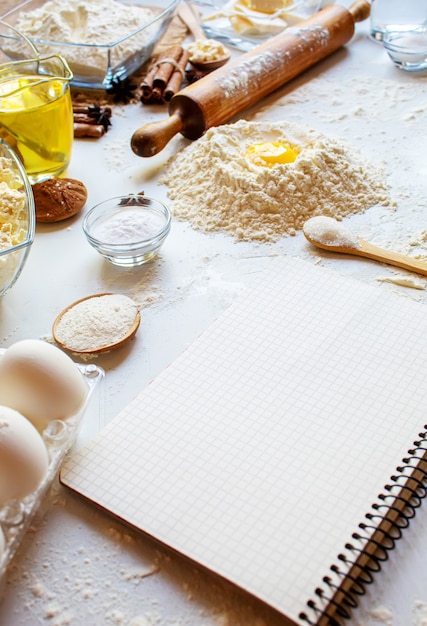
x=264, y=17
x=172, y=4
x=389, y=42
x=132, y=245
x=31, y=230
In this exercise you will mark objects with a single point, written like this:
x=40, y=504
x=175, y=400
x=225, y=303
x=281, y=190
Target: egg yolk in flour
x=270, y=153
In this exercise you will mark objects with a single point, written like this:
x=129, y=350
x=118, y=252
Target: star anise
x=122, y=90
x=101, y=115
x=192, y=75
x=133, y=200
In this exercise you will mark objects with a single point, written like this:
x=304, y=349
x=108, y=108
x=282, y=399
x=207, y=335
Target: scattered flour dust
x=216, y=187
x=382, y=614
x=415, y=247
x=403, y=281
x=420, y=611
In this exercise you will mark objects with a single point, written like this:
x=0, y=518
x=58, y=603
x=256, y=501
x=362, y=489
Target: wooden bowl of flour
x=97, y=323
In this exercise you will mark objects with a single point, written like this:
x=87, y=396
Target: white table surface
x=78, y=565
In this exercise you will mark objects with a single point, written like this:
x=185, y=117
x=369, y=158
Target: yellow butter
x=270, y=153
x=267, y=6
x=246, y=26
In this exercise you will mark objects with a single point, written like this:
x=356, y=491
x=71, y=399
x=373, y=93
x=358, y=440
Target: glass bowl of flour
x=17, y=217
x=103, y=41
x=128, y=230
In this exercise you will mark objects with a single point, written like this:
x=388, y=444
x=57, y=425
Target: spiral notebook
x=284, y=449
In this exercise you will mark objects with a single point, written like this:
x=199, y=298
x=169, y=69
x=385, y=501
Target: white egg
x=24, y=459
x=40, y=381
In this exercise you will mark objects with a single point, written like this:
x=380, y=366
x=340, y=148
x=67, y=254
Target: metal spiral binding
x=393, y=508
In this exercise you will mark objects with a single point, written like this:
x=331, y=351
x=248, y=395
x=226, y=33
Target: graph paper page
x=260, y=449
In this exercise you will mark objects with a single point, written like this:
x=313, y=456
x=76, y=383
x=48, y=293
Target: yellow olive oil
x=37, y=113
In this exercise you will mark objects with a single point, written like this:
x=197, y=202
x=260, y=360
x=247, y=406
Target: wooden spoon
x=128, y=334
x=189, y=18
x=341, y=239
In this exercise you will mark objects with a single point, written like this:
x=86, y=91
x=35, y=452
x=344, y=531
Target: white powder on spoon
x=329, y=232
x=96, y=322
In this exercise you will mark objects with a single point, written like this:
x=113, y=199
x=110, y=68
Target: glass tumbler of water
x=396, y=16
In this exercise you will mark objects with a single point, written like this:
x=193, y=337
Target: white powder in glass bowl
x=129, y=225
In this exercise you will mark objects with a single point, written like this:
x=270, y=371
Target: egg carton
x=59, y=436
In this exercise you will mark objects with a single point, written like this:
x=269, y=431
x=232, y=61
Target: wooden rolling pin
x=218, y=96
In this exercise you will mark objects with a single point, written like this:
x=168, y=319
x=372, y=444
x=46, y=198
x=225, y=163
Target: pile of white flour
x=216, y=188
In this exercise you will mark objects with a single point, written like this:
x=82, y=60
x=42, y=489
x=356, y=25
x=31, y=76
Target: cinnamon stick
x=160, y=72
x=157, y=94
x=82, y=118
x=88, y=108
x=166, y=69
x=151, y=100
x=88, y=130
x=87, y=115
x=147, y=83
x=177, y=77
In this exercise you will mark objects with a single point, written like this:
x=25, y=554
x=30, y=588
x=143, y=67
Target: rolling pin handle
x=360, y=10
x=152, y=138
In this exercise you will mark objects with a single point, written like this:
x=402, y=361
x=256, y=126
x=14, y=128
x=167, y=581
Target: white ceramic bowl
x=128, y=230
x=98, y=63
x=17, y=214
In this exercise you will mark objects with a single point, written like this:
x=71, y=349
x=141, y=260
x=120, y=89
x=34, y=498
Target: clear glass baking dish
x=237, y=20
x=97, y=59
x=17, y=217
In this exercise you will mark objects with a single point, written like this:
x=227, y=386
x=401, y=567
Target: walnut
x=57, y=199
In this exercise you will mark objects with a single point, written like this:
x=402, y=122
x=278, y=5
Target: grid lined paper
x=261, y=448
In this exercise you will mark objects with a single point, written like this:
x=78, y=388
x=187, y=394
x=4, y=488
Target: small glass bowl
x=407, y=49
x=16, y=192
x=128, y=230
x=98, y=64
x=252, y=24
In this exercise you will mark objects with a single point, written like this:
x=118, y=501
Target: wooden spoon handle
x=370, y=251
x=187, y=15
x=152, y=138
x=360, y=10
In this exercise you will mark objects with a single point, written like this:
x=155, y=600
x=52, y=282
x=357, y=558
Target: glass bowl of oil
x=17, y=217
